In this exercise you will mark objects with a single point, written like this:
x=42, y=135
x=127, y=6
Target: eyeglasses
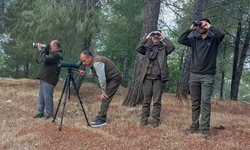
x=155, y=34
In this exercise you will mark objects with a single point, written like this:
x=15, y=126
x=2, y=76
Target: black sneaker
x=38, y=116
x=192, y=131
x=93, y=121
x=48, y=117
x=99, y=122
x=155, y=124
x=205, y=134
x=143, y=123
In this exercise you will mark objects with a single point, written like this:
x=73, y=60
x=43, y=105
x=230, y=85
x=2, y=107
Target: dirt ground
x=230, y=123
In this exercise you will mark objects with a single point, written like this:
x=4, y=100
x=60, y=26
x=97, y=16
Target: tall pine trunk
x=151, y=15
x=234, y=93
x=235, y=90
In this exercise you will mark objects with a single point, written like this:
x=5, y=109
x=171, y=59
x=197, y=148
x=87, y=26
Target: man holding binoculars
x=154, y=73
x=204, y=40
x=48, y=73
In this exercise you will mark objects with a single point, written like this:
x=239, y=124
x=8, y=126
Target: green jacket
x=48, y=70
x=164, y=49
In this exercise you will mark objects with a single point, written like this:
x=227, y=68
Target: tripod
x=66, y=90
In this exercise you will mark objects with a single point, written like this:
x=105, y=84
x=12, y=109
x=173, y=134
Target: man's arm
x=49, y=58
x=183, y=39
x=100, y=71
x=169, y=45
x=219, y=34
x=140, y=48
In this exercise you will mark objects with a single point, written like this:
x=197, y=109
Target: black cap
x=205, y=19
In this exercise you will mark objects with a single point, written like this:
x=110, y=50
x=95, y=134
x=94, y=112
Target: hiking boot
x=99, y=122
x=38, y=116
x=192, y=131
x=205, y=134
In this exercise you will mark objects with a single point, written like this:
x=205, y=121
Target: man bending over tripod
x=109, y=78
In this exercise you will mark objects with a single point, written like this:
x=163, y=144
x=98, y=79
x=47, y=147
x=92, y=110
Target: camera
x=155, y=34
x=68, y=65
x=197, y=23
x=36, y=44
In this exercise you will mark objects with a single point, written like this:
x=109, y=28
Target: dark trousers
x=112, y=87
x=152, y=88
x=201, y=87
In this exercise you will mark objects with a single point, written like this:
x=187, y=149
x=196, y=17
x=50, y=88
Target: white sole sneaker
x=98, y=125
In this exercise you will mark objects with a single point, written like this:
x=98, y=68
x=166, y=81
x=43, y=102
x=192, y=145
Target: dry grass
x=18, y=103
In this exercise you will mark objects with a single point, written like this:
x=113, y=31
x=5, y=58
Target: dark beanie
x=205, y=19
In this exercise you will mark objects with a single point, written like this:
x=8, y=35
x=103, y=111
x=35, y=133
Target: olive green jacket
x=48, y=70
x=164, y=49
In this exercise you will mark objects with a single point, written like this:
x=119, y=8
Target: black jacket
x=48, y=70
x=204, y=51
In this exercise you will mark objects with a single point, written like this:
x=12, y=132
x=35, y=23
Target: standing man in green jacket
x=154, y=73
x=109, y=78
x=48, y=73
x=204, y=40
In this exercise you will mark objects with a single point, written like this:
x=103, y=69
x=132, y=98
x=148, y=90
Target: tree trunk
x=78, y=78
x=183, y=89
x=86, y=46
x=223, y=74
x=241, y=64
x=125, y=71
x=234, y=92
x=151, y=15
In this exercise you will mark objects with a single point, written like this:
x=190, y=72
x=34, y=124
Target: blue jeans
x=46, y=98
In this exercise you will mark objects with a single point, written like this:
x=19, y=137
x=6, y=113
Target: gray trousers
x=111, y=88
x=46, y=98
x=201, y=87
x=152, y=88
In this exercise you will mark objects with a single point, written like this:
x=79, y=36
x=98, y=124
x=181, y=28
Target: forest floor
x=18, y=103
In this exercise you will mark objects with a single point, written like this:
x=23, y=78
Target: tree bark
x=125, y=70
x=183, y=89
x=151, y=15
x=223, y=75
x=235, y=62
x=241, y=65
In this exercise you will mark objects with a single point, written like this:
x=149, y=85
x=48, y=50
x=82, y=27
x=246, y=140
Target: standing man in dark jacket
x=48, y=73
x=204, y=40
x=109, y=78
x=154, y=73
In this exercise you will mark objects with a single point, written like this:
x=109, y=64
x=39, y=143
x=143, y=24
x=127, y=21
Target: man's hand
x=205, y=25
x=40, y=46
x=192, y=27
x=104, y=96
x=149, y=36
x=82, y=72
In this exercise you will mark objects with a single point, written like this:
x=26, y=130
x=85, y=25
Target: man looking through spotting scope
x=48, y=73
x=204, y=40
x=109, y=78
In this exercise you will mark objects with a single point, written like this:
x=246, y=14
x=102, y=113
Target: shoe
x=93, y=121
x=205, y=134
x=155, y=124
x=143, y=123
x=38, y=116
x=99, y=122
x=48, y=117
x=192, y=131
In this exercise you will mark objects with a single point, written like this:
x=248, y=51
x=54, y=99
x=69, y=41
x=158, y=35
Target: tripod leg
x=74, y=84
x=60, y=100
x=64, y=103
